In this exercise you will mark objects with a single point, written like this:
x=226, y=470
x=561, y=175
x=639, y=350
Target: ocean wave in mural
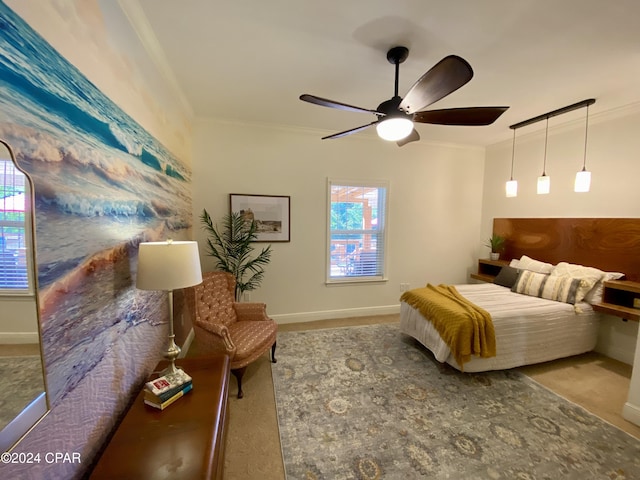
x=102, y=184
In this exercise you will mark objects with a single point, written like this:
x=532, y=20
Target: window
x=14, y=277
x=357, y=231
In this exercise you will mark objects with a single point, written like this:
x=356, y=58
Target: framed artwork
x=271, y=213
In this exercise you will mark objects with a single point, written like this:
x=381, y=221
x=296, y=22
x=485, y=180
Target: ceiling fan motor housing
x=391, y=108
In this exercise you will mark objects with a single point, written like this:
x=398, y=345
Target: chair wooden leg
x=238, y=373
x=273, y=353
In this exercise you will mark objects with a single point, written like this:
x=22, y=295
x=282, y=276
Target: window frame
x=381, y=231
x=27, y=236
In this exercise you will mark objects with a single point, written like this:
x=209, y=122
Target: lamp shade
x=511, y=188
x=394, y=128
x=168, y=265
x=583, y=181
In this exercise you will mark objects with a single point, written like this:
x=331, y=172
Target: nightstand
x=488, y=269
x=617, y=299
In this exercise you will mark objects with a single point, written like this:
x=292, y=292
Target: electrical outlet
x=404, y=286
x=247, y=296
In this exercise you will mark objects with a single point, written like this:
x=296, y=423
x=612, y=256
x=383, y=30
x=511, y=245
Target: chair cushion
x=251, y=339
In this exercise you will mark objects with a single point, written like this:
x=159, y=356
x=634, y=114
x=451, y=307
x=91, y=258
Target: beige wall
x=434, y=209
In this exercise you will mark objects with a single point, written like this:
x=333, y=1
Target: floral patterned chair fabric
x=241, y=330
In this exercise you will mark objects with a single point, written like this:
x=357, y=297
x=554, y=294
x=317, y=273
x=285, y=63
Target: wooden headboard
x=610, y=244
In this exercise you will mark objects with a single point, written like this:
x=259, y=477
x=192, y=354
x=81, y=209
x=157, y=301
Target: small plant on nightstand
x=496, y=244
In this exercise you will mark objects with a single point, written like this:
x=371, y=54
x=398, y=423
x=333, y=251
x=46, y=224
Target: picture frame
x=272, y=214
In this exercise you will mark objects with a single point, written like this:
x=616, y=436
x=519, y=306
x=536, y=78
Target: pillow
x=506, y=277
x=595, y=294
x=560, y=289
x=564, y=269
x=528, y=263
x=515, y=263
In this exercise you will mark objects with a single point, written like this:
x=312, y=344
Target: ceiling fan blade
x=333, y=104
x=349, y=132
x=445, y=77
x=412, y=137
x=470, y=116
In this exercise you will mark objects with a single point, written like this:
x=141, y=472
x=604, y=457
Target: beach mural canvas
x=102, y=185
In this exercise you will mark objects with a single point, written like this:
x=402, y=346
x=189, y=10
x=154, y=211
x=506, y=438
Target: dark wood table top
x=185, y=440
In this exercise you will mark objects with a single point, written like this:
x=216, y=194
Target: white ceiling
x=250, y=60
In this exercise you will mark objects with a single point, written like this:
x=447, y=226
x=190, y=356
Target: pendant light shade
x=544, y=181
x=583, y=177
x=511, y=187
x=544, y=184
x=394, y=128
x=583, y=181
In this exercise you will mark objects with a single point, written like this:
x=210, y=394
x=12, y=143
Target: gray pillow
x=507, y=277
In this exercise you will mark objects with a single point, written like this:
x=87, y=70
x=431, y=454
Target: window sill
x=351, y=281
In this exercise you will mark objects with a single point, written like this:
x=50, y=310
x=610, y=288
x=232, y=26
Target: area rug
x=21, y=383
x=370, y=403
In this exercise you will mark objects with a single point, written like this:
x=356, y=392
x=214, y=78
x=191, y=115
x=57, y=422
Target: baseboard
x=19, y=337
x=631, y=412
x=331, y=314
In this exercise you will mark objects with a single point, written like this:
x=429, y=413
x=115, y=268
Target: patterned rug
x=368, y=403
x=21, y=383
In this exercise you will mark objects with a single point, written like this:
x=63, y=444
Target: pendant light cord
x=513, y=152
x=586, y=130
x=546, y=134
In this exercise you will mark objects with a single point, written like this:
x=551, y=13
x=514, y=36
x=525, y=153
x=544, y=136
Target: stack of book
x=163, y=391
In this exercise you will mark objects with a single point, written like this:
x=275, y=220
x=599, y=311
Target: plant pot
x=494, y=256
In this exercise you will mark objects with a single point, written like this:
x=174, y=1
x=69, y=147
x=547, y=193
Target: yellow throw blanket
x=466, y=328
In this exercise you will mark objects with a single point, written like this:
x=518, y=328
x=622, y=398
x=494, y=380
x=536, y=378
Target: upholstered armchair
x=241, y=330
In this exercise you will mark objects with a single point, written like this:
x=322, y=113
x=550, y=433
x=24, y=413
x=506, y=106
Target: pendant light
x=583, y=177
x=511, y=187
x=544, y=181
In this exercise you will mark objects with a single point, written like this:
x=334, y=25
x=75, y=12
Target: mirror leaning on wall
x=23, y=398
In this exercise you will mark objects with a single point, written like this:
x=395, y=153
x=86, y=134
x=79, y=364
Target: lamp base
x=172, y=352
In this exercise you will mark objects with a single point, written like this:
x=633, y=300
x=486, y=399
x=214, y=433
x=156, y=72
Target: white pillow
x=514, y=263
x=528, y=263
x=564, y=269
x=572, y=270
x=595, y=294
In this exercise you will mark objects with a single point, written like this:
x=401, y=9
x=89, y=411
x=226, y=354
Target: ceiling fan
x=396, y=116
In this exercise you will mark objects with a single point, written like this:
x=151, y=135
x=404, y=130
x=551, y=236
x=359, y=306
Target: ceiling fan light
x=583, y=181
x=512, y=188
x=394, y=128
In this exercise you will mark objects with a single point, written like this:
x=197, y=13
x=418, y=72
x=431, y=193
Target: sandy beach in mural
x=102, y=185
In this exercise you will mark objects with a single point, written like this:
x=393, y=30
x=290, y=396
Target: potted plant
x=231, y=247
x=496, y=244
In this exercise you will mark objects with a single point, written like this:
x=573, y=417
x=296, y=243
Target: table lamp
x=168, y=266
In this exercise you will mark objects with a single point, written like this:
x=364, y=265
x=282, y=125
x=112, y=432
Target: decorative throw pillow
x=560, y=289
x=594, y=295
x=528, y=263
x=506, y=277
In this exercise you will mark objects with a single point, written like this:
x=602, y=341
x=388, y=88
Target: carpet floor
x=253, y=450
x=365, y=403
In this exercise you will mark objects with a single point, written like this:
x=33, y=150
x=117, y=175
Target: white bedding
x=528, y=329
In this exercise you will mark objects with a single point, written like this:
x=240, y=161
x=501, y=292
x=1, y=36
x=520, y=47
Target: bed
x=529, y=329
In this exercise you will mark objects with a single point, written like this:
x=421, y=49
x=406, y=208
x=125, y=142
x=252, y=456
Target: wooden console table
x=185, y=440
